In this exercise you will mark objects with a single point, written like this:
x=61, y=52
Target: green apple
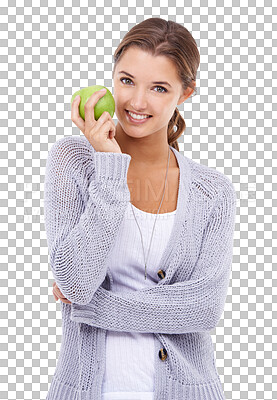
x=106, y=103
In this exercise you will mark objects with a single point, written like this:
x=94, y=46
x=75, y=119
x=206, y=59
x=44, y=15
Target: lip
x=135, y=121
x=137, y=113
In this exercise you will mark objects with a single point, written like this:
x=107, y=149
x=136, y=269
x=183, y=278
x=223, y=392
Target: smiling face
x=136, y=89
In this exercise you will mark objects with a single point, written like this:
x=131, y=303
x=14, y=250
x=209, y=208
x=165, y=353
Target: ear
x=186, y=94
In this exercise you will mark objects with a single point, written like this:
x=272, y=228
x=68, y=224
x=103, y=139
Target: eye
x=165, y=90
x=122, y=79
x=161, y=87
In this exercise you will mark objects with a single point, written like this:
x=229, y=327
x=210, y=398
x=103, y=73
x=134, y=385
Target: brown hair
x=166, y=38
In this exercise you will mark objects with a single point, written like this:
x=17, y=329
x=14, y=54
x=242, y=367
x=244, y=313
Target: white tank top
x=130, y=356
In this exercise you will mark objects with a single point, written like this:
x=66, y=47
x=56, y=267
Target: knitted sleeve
x=80, y=236
x=195, y=305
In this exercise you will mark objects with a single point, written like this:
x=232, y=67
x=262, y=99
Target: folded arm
x=191, y=306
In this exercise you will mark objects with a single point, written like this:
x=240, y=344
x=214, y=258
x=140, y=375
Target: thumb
x=90, y=105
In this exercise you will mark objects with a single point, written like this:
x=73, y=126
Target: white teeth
x=135, y=116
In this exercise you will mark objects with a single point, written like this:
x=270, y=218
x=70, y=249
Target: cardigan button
x=161, y=274
x=163, y=354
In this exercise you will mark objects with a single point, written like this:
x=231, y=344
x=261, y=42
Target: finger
x=106, y=128
x=57, y=290
x=66, y=301
x=104, y=118
x=63, y=299
x=57, y=293
x=75, y=114
x=54, y=289
x=90, y=104
x=110, y=129
x=99, y=129
x=56, y=298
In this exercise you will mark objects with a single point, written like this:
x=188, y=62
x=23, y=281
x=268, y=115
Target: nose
x=138, y=102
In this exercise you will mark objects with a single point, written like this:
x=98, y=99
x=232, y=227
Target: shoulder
x=71, y=152
x=77, y=146
x=211, y=183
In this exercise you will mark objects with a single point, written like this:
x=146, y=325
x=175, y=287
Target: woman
x=140, y=237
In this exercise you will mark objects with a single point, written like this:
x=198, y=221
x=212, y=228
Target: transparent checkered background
x=50, y=49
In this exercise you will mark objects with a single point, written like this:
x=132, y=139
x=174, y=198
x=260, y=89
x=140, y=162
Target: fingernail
x=77, y=97
x=102, y=90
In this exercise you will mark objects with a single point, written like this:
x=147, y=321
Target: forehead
x=143, y=65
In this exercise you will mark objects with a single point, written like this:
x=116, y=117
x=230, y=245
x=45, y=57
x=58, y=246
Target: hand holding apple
x=97, y=124
x=106, y=103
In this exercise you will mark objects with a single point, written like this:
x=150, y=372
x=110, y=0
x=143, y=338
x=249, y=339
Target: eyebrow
x=156, y=83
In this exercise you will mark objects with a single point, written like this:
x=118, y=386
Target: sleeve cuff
x=112, y=166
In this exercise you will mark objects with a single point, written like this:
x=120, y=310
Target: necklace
x=156, y=216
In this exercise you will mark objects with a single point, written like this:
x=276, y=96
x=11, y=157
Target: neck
x=146, y=152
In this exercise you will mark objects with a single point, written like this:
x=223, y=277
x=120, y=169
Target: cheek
x=117, y=96
x=120, y=101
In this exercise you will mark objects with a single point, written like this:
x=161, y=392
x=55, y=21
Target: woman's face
x=140, y=95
